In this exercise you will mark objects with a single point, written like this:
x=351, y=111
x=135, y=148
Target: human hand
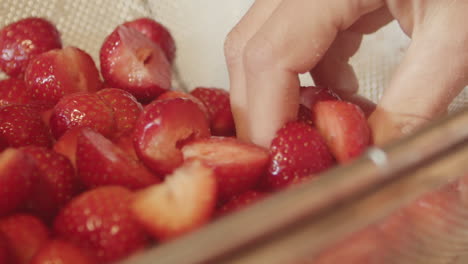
x=277, y=40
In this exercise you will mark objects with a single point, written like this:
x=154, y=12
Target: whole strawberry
x=23, y=40
x=14, y=91
x=100, y=222
x=297, y=151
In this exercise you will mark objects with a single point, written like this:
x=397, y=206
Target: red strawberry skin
x=6, y=254
x=23, y=40
x=132, y=62
x=297, y=151
x=344, y=127
x=126, y=108
x=17, y=176
x=25, y=234
x=238, y=166
x=180, y=94
x=21, y=125
x=163, y=128
x=59, y=251
x=82, y=110
x=240, y=201
x=14, y=91
x=219, y=107
x=56, y=73
x=305, y=115
x=101, y=162
x=100, y=222
x=56, y=183
x=157, y=33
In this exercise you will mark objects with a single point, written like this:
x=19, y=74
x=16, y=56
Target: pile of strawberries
x=94, y=169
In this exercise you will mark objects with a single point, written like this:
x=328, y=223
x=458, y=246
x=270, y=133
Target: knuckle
x=259, y=53
x=233, y=46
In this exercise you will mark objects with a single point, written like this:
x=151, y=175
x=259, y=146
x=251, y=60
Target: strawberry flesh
x=66, y=144
x=180, y=94
x=59, y=251
x=310, y=95
x=238, y=166
x=184, y=202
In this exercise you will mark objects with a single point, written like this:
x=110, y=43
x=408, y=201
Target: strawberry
x=23, y=40
x=100, y=162
x=25, y=234
x=157, y=33
x=305, y=115
x=344, y=127
x=132, y=62
x=184, y=202
x=14, y=91
x=6, y=256
x=17, y=176
x=310, y=95
x=163, y=128
x=21, y=125
x=297, y=151
x=126, y=108
x=59, y=251
x=240, y=201
x=238, y=166
x=180, y=94
x=100, y=222
x=56, y=73
x=219, y=107
x=125, y=143
x=66, y=144
x=82, y=110
x=56, y=183
x=366, y=105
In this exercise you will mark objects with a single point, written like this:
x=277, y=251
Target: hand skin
x=278, y=39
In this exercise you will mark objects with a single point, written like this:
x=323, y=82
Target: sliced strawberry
x=163, y=128
x=366, y=105
x=132, y=62
x=23, y=40
x=82, y=110
x=61, y=252
x=184, y=202
x=157, y=33
x=219, y=107
x=240, y=201
x=100, y=162
x=238, y=166
x=6, y=254
x=125, y=143
x=180, y=94
x=14, y=91
x=126, y=108
x=305, y=115
x=56, y=73
x=21, y=125
x=66, y=144
x=297, y=151
x=56, y=183
x=100, y=222
x=344, y=127
x=310, y=95
x=17, y=176
x=25, y=234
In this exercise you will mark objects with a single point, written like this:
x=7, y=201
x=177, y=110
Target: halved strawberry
x=100, y=162
x=305, y=115
x=66, y=144
x=180, y=94
x=344, y=127
x=366, y=105
x=125, y=143
x=61, y=252
x=6, y=254
x=240, y=201
x=56, y=183
x=310, y=95
x=126, y=108
x=21, y=125
x=219, y=107
x=82, y=110
x=100, y=222
x=23, y=40
x=17, y=176
x=238, y=166
x=25, y=234
x=132, y=62
x=14, y=91
x=157, y=33
x=297, y=151
x=56, y=73
x=163, y=128
x=184, y=202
